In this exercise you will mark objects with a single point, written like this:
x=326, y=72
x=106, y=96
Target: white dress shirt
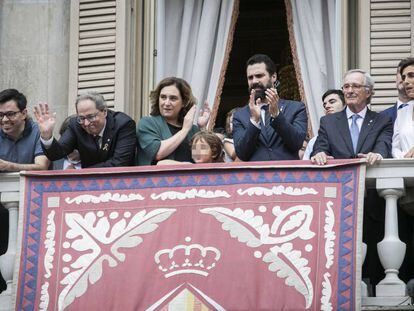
x=262, y=115
x=359, y=121
x=403, y=139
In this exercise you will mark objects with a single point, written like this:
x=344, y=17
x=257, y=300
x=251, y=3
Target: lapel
x=367, y=125
x=344, y=132
x=394, y=112
x=262, y=135
x=282, y=106
x=107, y=135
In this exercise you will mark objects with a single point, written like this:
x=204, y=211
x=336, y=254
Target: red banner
x=257, y=237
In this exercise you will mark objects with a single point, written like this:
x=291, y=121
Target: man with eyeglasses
x=358, y=132
x=355, y=132
x=104, y=138
x=20, y=148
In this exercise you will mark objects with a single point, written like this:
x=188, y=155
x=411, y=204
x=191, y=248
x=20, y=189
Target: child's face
x=201, y=152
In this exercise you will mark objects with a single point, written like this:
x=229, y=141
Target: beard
x=260, y=90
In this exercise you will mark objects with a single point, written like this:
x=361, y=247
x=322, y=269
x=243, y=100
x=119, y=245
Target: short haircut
x=368, y=81
x=337, y=92
x=96, y=97
x=404, y=63
x=262, y=58
x=13, y=94
x=183, y=87
x=400, y=64
x=215, y=143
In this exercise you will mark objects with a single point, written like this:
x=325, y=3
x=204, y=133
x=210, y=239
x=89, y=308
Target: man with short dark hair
x=407, y=76
x=104, y=138
x=268, y=128
x=403, y=147
x=20, y=147
x=402, y=99
x=333, y=101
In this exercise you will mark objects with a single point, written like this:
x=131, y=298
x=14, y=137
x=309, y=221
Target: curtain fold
x=192, y=37
x=316, y=31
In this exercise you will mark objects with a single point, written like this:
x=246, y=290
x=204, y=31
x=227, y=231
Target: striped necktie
x=268, y=128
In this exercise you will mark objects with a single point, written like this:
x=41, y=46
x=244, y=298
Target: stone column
x=9, y=200
x=364, y=287
x=391, y=250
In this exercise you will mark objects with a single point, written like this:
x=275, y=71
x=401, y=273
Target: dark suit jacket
x=334, y=137
x=391, y=112
x=118, y=148
x=289, y=127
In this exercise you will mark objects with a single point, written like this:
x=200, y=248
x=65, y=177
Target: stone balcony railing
x=393, y=179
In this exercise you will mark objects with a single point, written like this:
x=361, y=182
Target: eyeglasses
x=9, y=114
x=89, y=117
x=353, y=86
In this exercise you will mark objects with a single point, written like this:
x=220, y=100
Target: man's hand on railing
x=321, y=158
x=371, y=157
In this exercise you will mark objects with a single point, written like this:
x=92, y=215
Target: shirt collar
x=26, y=131
x=362, y=113
x=399, y=103
x=103, y=130
x=27, y=128
x=264, y=106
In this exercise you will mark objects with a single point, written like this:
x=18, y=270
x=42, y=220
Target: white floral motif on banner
x=329, y=234
x=326, y=293
x=88, y=232
x=48, y=259
x=190, y=194
x=277, y=190
x=288, y=225
x=104, y=198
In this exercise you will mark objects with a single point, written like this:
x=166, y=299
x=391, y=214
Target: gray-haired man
x=104, y=138
x=355, y=131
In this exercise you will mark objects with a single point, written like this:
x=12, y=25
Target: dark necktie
x=268, y=127
x=96, y=139
x=402, y=106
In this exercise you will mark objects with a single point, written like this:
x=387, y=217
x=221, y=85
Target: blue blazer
x=391, y=112
x=334, y=137
x=289, y=132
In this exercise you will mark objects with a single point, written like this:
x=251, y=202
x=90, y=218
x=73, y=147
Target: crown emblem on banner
x=187, y=258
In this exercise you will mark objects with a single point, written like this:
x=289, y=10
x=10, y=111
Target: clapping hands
x=204, y=115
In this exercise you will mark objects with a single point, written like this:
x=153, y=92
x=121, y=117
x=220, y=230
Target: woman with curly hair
x=166, y=134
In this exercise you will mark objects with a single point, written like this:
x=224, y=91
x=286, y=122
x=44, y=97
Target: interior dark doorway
x=261, y=28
